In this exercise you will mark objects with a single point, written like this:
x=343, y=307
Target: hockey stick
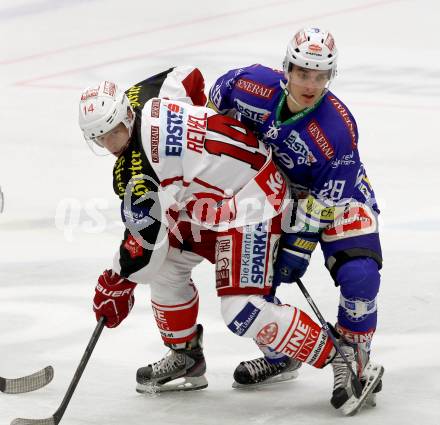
x=56, y=417
x=356, y=382
x=27, y=383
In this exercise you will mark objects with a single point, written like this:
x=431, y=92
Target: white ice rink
x=389, y=76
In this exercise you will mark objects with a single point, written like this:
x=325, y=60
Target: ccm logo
x=113, y=294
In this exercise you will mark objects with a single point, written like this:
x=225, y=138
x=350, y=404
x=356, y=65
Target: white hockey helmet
x=101, y=109
x=312, y=48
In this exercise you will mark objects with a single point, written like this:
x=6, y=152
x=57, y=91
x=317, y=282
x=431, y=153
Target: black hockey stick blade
x=48, y=421
x=27, y=383
x=56, y=417
x=357, y=386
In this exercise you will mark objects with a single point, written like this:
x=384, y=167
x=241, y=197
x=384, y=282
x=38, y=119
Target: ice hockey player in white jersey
x=187, y=178
x=193, y=184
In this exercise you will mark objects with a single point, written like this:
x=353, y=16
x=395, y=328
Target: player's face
x=307, y=85
x=115, y=141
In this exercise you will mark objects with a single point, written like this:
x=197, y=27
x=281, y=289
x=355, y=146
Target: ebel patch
x=243, y=320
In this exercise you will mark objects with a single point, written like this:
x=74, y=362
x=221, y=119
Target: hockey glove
x=113, y=299
x=293, y=256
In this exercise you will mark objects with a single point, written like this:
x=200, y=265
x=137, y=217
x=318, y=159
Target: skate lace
x=169, y=363
x=260, y=368
x=340, y=369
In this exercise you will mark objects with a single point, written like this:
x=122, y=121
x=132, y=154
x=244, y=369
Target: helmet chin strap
x=287, y=92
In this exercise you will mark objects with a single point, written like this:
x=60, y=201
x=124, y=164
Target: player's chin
x=308, y=100
x=121, y=150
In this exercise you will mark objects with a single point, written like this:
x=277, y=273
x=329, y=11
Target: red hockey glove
x=113, y=299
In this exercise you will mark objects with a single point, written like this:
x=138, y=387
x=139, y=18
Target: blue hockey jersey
x=316, y=148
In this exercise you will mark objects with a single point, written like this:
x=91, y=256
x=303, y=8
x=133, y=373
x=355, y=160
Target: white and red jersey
x=211, y=166
x=185, y=162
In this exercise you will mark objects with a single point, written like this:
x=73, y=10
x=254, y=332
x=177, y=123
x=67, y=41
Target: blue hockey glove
x=293, y=256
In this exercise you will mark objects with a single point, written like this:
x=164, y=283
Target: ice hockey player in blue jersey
x=314, y=138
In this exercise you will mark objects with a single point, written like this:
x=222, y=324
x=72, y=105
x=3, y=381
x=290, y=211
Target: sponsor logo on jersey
x=245, y=266
x=253, y=256
x=161, y=319
x=174, y=128
x=273, y=185
x=139, y=187
x=345, y=160
x=155, y=108
x=154, y=141
x=222, y=273
x=320, y=139
x=318, y=210
x=243, y=320
x=133, y=96
x=133, y=247
x=299, y=146
x=363, y=184
x=252, y=112
x=117, y=175
x=318, y=348
x=239, y=71
x=223, y=258
x=268, y=334
x=365, y=190
x=246, y=250
x=254, y=88
x=302, y=342
x=136, y=216
x=357, y=337
x=357, y=220
x=216, y=95
x=286, y=160
x=346, y=118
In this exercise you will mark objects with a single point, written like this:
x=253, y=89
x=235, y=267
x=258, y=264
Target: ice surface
x=50, y=50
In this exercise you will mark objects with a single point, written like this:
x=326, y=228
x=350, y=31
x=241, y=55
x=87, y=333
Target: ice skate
x=179, y=370
x=257, y=372
x=343, y=395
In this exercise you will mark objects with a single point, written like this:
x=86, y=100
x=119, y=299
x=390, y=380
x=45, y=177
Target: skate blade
x=180, y=384
x=374, y=374
x=371, y=400
x=282, y=377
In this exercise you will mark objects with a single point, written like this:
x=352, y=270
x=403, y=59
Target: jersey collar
x=295, y=117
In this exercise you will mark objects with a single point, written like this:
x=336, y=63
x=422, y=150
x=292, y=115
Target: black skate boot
x=370, y=375
x=180, y=370
x=259, y=371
